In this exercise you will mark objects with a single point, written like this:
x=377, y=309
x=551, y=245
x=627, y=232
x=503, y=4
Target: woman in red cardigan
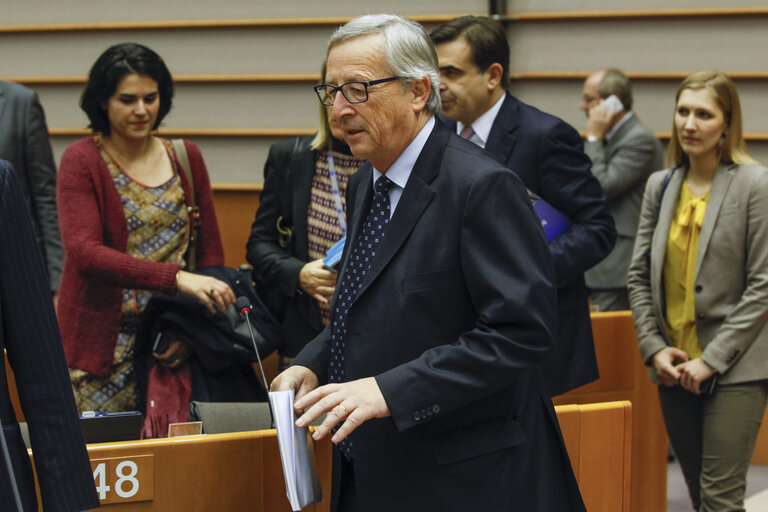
x=122, y=199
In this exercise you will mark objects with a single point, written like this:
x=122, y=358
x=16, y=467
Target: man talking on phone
x=624, y=153
x=547, y=154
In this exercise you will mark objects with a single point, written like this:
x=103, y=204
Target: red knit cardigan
x=96, y=265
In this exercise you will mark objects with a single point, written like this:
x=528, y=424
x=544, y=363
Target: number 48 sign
x=124, y=479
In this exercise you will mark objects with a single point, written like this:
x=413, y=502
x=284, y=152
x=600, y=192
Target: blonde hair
x=732, y=147
x=323, y=138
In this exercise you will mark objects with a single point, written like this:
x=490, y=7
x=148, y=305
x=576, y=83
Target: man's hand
x=664, y=362
x=693, y=373
x=300, y=379
x=352, y=402
x=599, y=120
x=317, y=280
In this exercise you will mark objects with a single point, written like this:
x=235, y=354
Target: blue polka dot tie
x=360, y=260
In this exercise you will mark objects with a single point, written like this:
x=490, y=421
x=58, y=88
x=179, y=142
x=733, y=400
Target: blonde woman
x=698, y=287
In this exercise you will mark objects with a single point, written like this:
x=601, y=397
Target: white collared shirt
x=483, y=124
x=401, y=168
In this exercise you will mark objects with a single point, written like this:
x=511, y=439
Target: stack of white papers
x=302, y=483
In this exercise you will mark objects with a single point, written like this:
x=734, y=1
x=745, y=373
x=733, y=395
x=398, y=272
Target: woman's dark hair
x=112, y=66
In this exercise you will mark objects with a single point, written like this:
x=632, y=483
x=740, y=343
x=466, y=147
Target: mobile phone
x=613, y=101
x=161, y=343
x=708, y=386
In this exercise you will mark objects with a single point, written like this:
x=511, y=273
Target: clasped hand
x=317, y=281
x=673, y=367
x=353, y=402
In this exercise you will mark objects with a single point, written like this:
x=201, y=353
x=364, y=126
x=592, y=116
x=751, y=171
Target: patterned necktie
x=359, y=262
x=467, y=132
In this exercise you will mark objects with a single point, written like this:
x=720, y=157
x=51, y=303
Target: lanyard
x=336, y=194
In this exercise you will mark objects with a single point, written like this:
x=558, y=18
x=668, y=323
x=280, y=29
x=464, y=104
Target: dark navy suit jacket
x=30, y=335
x=453, y=320
x=548, y=155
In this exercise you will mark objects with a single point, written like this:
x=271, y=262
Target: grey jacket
x=731, y=283
x=24, y=142
x=622, y=166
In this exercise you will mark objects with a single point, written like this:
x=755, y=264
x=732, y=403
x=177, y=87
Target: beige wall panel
x=214, y=51
x=229, y=159
x=245, y=106
x=204, y=51
x=759, y=151
x=519, y=6
x=642, y=45
x=654, y=102
x=81, y=11
x=206, y=106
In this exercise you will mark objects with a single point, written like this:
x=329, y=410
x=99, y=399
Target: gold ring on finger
x=346, y=412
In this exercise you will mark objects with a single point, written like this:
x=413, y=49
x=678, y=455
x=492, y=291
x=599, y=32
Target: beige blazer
x=731, y=283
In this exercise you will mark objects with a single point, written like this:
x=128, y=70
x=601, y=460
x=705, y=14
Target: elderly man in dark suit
x=444, y=309
x=24, y=142
x=548, y=155
x=30, y=335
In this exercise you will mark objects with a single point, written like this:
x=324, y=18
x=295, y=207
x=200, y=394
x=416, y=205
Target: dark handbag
x=192, y=208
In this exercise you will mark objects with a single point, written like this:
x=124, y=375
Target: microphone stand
x=11, y=472
x=244, y=311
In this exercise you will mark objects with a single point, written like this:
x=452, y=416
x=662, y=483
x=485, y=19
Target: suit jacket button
x=698, y=288
x=416, y=416
x=435, y=408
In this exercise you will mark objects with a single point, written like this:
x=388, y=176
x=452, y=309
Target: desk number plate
x=124, y=479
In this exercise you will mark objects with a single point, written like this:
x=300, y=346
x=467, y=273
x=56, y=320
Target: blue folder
x=333, y=256
x=553, y=222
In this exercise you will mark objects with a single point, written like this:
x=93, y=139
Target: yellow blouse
x=680, y=271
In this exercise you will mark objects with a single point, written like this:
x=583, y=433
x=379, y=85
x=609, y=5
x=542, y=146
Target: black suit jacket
x=24, y=142
x=30, y=335
x=547, y=154
x=288, y=175
x=453, y=319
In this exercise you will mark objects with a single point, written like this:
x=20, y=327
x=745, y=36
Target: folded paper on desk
x=302, y=483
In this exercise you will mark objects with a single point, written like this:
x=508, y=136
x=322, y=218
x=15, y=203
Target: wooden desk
x=623, y=376
x=242, y=471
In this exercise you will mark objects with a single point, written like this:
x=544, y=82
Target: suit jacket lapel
x=621, y=132
x=720, y=184
x=501, y=140
x=357, y=212
x=661, y=234
x=302, y=171
x=416, y=197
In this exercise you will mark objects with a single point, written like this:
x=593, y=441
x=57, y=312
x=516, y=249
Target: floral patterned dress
x=157, y=221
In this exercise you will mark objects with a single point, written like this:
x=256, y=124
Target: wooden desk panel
x=242, y=471
x=623, y=376
x=238, y=471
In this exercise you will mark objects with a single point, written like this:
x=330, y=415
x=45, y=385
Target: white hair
x=408, y=49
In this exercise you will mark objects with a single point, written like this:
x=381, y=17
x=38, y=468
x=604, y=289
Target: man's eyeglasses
x=354, y=92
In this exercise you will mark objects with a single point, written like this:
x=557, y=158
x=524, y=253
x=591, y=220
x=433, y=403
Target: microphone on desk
x=244, y=307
